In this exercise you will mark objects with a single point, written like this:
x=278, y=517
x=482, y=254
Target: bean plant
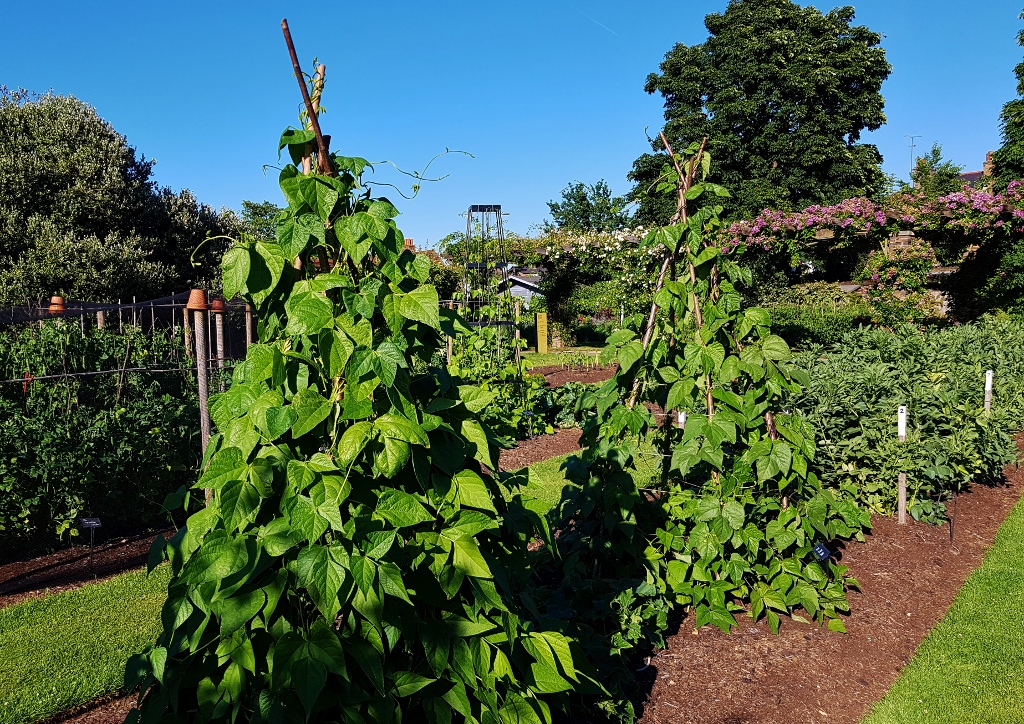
x=730, y=526
x=486, y=354
x=357, y=560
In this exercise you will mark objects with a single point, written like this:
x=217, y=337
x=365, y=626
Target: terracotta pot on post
x=56, y=305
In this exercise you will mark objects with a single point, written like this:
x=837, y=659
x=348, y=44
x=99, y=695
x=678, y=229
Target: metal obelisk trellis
x=486, y=294
x=486, y=266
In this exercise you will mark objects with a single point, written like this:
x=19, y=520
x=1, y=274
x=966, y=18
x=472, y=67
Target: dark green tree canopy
x=782, y=94
x=588, y=208
x=258, y=218
x=80, y=214
x=1009, y=159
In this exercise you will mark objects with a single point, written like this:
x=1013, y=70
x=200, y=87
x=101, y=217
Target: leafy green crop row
x=856, y=387
x=109, y=445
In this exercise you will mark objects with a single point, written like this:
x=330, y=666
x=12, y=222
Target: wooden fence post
x=217, y=312
x=519, y=335
x=100, y=319
x=188, y=329
x=988, y=389
x=248, y=326
x=901, y=505
x=542, y=333
x=197, y=304
x=451, y=305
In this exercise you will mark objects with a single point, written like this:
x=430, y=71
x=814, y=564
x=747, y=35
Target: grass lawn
x=547, y=478
x=65, y=649
x=971, y=666
x=557, y=357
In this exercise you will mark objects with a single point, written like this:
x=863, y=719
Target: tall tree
x=782, y=94
x=936, y=176
x=1009, y=159
x=588, y=208
x=80, y=214
x=258, y=218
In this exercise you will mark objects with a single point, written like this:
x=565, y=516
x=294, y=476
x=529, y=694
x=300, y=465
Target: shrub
x=806, y=326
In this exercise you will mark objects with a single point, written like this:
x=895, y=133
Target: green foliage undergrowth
x=854, y=391
x=108, y=445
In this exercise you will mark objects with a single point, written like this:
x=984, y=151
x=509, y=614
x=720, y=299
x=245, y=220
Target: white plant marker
x=988, y=389
x=901, y=431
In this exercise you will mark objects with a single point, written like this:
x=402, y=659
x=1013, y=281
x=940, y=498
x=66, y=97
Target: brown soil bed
x=70, y=568
x=556, y=375
x=541, y=447
x=108, y=710
x=909, y=576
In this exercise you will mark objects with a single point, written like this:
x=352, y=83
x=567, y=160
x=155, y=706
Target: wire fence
x=230, y=322
x=63, y=410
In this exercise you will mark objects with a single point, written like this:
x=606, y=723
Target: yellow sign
x=542, y=332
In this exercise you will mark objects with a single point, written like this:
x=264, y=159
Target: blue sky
x=541, y=93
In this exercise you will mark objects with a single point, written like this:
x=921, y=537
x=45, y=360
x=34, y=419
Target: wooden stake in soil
x=988, y=389
x=248, y=326
x=197, y=304
x=901, y=505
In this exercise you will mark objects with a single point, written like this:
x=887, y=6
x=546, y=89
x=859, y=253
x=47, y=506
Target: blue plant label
x=821, y=552
x=91, y=523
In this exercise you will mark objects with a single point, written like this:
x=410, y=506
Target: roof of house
x=525, y=280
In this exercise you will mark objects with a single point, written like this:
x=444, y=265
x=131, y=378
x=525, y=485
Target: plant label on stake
x=822, y=553
x=988, y=389
x=901, y=432
x=91, y=524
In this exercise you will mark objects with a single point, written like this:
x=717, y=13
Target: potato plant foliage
x=357, y=561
